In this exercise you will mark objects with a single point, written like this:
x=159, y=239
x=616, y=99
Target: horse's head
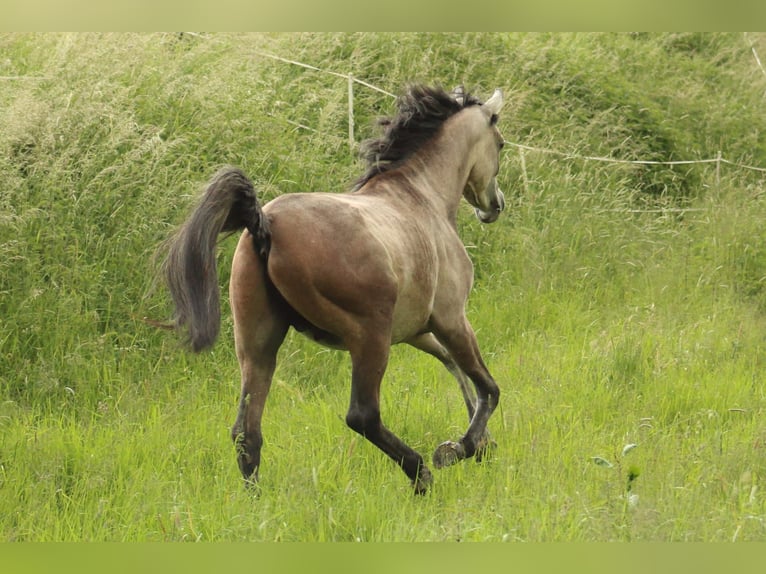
x=481, y=189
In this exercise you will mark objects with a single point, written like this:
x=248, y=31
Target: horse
x=362, y=270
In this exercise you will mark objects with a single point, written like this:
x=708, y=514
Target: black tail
x=228, y=204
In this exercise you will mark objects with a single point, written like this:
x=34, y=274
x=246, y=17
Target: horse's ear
x=495, y=103
x=459, y=94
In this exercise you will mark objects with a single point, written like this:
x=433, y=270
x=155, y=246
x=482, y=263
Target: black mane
x=422, y=111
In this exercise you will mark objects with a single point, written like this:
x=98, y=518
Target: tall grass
x=616, y=304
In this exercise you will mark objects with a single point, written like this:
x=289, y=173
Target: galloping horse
x=363, y=270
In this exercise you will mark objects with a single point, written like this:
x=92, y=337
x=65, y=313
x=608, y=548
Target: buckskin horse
x=378, y=265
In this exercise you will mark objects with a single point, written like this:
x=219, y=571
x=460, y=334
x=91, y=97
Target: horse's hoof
x=423, y=482
x=448, y=453
x=247, y=468
x=252, y=486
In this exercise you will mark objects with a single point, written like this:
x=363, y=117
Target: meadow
x=621, y=306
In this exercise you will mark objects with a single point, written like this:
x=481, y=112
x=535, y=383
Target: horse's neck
x=444, y=166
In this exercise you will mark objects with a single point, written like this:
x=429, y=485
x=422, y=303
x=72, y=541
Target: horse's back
x=344, y=259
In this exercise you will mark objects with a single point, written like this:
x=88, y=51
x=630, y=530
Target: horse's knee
x=487, y=390
x=493, y=394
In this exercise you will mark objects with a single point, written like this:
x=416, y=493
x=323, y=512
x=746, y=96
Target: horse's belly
x=322, y=337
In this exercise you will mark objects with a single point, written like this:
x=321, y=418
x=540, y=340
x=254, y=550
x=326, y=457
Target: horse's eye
x=502, y=144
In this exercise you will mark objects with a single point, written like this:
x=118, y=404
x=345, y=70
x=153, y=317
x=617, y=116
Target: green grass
x=615, y=304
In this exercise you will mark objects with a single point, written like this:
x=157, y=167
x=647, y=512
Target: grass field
x=621, y=307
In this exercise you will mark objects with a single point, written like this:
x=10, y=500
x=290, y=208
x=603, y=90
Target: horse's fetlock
x=423, y=481
x=468, y=447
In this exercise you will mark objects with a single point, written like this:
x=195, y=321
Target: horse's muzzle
x=496, y=208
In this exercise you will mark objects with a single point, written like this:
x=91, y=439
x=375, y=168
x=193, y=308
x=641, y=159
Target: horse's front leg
x=460, y=342
x=428, y=343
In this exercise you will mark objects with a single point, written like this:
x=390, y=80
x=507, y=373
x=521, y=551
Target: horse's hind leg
x=259, y=330
x=460, y=341
x=368, y=363
x=428, y=343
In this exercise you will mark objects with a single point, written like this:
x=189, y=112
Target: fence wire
x=521, y=147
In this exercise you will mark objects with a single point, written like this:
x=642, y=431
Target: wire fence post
x=718, y=169
x=351, y=114
x=524, y=177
